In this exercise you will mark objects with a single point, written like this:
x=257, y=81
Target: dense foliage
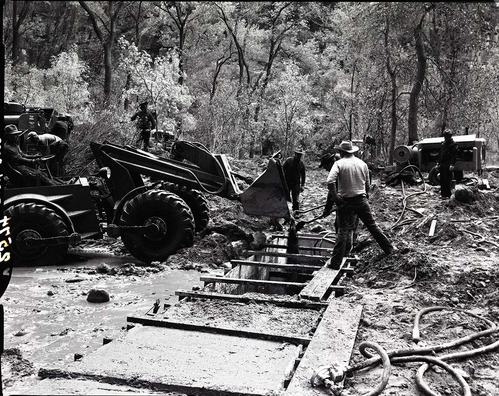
x=246, y=78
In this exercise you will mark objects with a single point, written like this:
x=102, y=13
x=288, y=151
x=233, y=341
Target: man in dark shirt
x=19, y=165
x=145, y=122
x=446, y=162
x=294, y=173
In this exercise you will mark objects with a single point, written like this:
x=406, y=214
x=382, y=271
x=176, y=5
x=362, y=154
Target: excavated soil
x=447, y=256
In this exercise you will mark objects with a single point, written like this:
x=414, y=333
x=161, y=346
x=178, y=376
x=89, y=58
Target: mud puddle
x=49, y=320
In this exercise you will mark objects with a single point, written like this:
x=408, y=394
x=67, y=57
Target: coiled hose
x=419, y=354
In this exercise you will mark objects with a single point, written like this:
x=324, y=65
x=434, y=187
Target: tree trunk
x=394, y=89
x=108, y=72
x=416, y=87
x=350, y=118
x=17, y=21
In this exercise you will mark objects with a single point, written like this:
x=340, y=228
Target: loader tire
x=196, y=202
x=30, y=220
x=173, y=218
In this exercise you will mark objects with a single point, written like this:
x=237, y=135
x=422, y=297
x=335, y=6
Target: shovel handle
x=302, y=223
x=309, y=210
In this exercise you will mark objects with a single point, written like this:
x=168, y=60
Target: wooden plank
x=332, y=343
x=291, y=267
x=318, y=287
x=315, y=248
x=218, y=279
x=305, y=237
x=301, y=257
x=432, y=227
x=291, y=367
x=253, y=299
x=147, y=321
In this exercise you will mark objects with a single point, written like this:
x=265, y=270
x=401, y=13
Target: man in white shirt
x=348, y=187
x=56, y=146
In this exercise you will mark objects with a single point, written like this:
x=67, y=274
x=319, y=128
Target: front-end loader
x=155, y=204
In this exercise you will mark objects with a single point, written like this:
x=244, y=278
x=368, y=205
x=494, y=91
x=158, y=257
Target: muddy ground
x=447, y=256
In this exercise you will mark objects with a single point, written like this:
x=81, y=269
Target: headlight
x=105, y=172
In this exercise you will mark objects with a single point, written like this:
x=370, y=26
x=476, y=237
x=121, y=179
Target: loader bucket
x=267, y=195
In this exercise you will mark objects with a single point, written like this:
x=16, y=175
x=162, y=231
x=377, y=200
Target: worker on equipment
x=55, y=145
x=446, y=162
x=348, y=188
x=19, y=167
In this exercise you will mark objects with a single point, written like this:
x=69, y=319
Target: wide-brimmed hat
x=144, y=103
x=448, y=132
x=299, y=151
x=11, y=130
x=347, y=147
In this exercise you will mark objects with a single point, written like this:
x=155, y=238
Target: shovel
x=309, y=210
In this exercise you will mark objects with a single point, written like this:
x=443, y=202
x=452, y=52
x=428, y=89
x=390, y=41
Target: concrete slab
x=182, y=361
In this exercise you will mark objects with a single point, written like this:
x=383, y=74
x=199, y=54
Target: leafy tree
x=65, y=85
x=155, y=80
x=287, y=107
x=62, y=86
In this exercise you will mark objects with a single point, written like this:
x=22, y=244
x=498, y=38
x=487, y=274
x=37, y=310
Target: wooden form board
x=291, y=267
x=301, y=247
x=324, y=240
x=253, y=299
x=257, y=282
x=304, y=258
x=332, y=343
x=318, y=288
x=147, y=321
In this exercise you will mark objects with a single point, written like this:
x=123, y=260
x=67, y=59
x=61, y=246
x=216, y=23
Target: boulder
x=464, y=195
x=97, y=296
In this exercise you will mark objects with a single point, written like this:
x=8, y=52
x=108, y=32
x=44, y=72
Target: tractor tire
x=196, y=202
x=172, y=216
x=30, y=220
x=434, y=176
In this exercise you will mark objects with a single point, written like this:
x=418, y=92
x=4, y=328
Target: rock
x=318, y=229
x=50, y=293
x=97, y=296
x=259, y=239
x=102, y=268
x=464, y=195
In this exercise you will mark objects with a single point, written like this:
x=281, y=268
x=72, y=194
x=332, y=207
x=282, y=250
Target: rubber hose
x=411, y=355
x=437, y=362
x=459, y=355
x=424, y=311
x=434, y=348
x=387, y=367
